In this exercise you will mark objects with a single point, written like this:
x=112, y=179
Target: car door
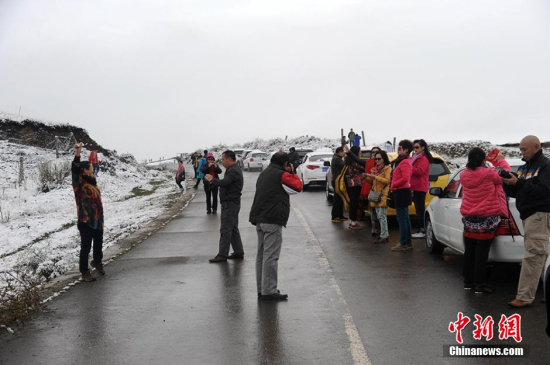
x=440, y=212
x=454, y=217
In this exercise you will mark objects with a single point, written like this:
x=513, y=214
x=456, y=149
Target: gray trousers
x=229, y=230
x=537, y=236
x=270, y=241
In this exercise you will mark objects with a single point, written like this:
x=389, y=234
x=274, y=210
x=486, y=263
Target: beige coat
x=381, y=182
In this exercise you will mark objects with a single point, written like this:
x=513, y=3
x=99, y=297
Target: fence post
x=21, y=170
x=363, y=134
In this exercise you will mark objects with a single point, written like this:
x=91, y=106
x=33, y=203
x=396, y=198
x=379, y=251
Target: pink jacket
x=482, y=195
x=503, y=165
x=401, y=178
x=420, y=180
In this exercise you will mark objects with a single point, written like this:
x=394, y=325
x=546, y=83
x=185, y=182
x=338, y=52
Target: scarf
x=398, y=161
x=90, y=180
x=416, y=156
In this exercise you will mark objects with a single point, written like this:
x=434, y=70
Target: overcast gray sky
x=157, y=77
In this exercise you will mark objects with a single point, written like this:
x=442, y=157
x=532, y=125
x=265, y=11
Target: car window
x=305, y=159
x=319, y=157
x=259, y=155
x=451, y=191
x=438, y=168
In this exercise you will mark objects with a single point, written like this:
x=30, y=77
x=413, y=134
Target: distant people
x=269, y=213
x=194, y=158
x=94, y=160
x=200, y=175
x=420, y=182
x=180, y=174
x=336, y=166
x=351, y=137
x=344, y=141
x=483, y=203
x=402, y=194
x=294, y=157
x=356, y=168
x=379, y=177
x=211, y=168
x=388, y=146
x=231, y=187
x=531, y=188
x=357, y=140
x=89, y=209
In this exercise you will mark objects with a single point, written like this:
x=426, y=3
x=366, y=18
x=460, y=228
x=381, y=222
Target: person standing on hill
x=180, y=174
x=231, y=187
x=269, y=213
x=200, y=175
x=351, y=137
x=89, y=210
x=94, y=160
x=211, y=168
x=357, y=140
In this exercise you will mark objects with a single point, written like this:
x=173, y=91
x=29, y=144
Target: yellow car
x=439, y=176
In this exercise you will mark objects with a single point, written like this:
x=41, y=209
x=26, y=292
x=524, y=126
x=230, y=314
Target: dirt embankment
x=32, y=133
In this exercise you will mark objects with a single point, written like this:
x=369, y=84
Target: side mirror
x=326, y=163
x=436, y=192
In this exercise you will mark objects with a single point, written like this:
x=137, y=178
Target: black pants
x=337, y=206
x=195, y=169
x=198, y=182
x=419, y=200
x=178, y=181
x=354, y=194
x=211, y=196
x=476, y=253
x=87, y=235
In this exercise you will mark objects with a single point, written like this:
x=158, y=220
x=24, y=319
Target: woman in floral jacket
x=89, y=213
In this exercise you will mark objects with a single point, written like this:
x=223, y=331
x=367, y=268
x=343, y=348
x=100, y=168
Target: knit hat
x=210, y=155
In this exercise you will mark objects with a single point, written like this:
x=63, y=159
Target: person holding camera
x=483, y=203
x=89, y=209
x=531, y=188
x=211, y=168
x=379, y=177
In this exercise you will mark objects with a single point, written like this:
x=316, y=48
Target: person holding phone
x=211, y=168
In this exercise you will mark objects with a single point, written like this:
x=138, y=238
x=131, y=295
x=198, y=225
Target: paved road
x=350, y=301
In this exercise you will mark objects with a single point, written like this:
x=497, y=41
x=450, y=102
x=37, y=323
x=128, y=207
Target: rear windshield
x=259, y=155
x=303, y=153
x=319, y=157
x=438, y=168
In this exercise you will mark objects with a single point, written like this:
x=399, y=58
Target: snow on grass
x=38, y=231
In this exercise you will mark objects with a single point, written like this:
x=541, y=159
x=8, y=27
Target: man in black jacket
x=269, y=213
x=336, y=166
x=531, y=188
x=231, y=187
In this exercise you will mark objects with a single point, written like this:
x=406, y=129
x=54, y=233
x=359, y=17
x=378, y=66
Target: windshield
x=259, y=155
x=319, y=157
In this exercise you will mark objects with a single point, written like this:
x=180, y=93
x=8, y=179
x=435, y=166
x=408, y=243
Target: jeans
x=381, y=214
x=87, y=235
x=405, y=230
x=419, y=200
x=270, y=241
x=229, y=230
x=476, y=253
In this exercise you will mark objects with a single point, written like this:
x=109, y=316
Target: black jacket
x=231, y=186
x=206, y=170
x=271, y=202
x=532, y=191
x=336, y=166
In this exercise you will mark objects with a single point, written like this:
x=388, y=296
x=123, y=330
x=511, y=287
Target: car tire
x=305, y=186
x=247, y=168
x=432, y=244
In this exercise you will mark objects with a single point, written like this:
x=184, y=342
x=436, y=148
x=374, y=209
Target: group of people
x=377, y=183
x=398, y=184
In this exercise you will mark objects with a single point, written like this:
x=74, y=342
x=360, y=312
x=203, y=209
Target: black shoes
x=97, y=267
x=275, y=296
x=469, y=286
x=217, y=259
x=233, y=256
x=208, y=211
x=483, y=289
x=214, y=212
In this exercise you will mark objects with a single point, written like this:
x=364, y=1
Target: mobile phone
x=505, y=174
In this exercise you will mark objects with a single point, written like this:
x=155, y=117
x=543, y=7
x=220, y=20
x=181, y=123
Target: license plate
x=325, y=169
x=259, y=164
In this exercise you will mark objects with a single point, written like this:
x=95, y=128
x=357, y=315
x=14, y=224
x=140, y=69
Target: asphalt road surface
x=350, y=301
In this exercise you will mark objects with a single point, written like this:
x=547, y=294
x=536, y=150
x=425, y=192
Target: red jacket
x=94, y=158
x=482, y=194
x=401, y=178
x=420, y=180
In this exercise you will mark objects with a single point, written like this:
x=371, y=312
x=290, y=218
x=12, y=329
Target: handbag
x=390, y=202
x=375, y=196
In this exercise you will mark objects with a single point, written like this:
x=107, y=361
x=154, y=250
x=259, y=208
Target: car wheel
x=432, y=244
x=247, y=168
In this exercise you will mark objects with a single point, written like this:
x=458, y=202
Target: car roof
x=515, y=162
x=257, y=151
x=316, y=153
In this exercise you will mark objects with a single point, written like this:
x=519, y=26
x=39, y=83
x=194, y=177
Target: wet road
x=350, y=301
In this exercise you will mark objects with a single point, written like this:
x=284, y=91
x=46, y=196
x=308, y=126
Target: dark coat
x=271, y=202
x=231, y=186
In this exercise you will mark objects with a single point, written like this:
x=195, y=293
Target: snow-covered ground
x=38, y=231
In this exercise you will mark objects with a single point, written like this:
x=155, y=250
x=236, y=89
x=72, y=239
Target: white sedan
x=312, y=169
x=444, y=227
x=254, y=160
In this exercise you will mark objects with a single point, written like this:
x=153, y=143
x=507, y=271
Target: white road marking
x=357, y=348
